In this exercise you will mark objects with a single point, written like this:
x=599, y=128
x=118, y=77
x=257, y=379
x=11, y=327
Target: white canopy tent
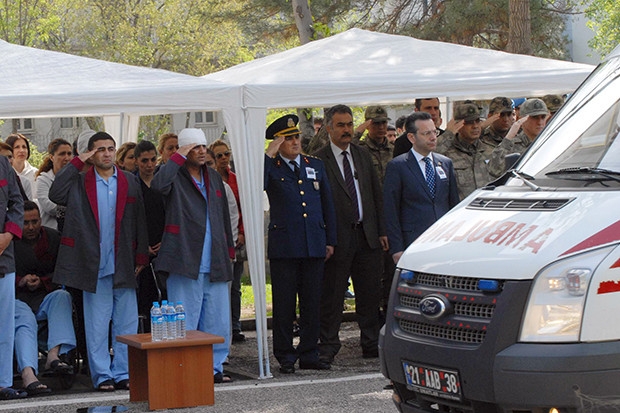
x=359, y=67
x=43, y=83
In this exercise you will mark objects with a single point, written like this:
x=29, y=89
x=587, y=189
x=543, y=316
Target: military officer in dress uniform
x=302, y=235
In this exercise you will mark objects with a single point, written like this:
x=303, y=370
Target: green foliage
x=604, y=18
x=36, y=157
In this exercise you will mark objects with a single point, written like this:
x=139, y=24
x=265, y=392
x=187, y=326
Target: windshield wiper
x=526, y=179
x=587, y=173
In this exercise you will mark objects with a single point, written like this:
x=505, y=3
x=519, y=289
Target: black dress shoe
x=316, y=365
x=370, y=354
x=238, y=337
x=287, y=369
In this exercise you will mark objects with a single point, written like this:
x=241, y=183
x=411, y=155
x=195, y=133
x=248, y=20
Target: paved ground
x=353, y=384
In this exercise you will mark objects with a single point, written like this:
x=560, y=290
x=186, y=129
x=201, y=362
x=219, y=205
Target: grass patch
x=247, y=298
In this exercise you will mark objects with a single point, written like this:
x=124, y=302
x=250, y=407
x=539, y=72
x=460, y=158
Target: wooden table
x=171, y=373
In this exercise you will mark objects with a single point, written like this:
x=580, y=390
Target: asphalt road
x=353, y=384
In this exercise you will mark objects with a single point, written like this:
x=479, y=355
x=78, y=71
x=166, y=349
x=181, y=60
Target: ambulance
x=510, y=303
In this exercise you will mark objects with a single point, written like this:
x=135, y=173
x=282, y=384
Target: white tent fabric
x=359, y=67
x=43, y=83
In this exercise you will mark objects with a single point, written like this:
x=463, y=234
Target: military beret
x=534, y=107
x=376, y=113
x=553, y=102
x=284, y=126
x=467, y=111
x=501, y=105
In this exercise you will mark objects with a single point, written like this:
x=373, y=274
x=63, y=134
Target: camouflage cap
x=467, y=111
x=501, y=105
x=376, y=113
x=553, y=102
x=534, y=107
x=283, y=126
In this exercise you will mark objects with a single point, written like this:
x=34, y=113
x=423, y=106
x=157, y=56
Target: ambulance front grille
x=469, y=310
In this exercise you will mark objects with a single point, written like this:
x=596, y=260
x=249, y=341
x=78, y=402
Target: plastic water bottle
x=157, y=323
x=171, y=320
x=180, y=320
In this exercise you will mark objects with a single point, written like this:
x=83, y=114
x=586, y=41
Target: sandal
x=107, y=386
x=7, y=393
x=59, y=367
x=222, y=378
x=122, y=385
x=37, y=388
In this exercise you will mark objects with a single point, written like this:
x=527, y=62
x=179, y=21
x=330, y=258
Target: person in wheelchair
x=38, y=299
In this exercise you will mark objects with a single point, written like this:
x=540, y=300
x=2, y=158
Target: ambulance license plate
x=433, y=381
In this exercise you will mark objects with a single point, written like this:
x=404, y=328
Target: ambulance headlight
x=555, y=307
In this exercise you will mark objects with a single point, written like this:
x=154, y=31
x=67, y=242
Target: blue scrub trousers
x=121, y=307
x=57, y=309
x=7, y=328
x=207, y=308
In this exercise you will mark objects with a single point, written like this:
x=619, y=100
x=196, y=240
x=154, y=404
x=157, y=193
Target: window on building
x=68, y=123
x=25, y=124
x=205, y=118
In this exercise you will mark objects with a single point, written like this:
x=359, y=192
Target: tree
x=520, y=30
x=604, y=18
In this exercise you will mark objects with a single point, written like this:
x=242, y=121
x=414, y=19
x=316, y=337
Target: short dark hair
x=418, y=102
x=144, y=146
x=99, y=136
x=410, y=125
x=329, y=115
x=30, y=205
x=400, y=122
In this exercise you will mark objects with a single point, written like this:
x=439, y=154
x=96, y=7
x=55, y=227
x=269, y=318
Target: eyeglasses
x=427, y=134
x=222, y=154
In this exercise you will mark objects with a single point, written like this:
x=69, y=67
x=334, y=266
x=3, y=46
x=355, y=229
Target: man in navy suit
x=420, y=186
x=302, y=235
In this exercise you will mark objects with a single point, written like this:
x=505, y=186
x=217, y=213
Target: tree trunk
x=520, y=35
x=303, y=20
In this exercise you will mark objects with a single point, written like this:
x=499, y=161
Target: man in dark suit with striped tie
x=420, y=186
x=361, y=237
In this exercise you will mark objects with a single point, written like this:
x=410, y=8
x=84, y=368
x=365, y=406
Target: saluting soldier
x=302, y=235
x=501, y=116
x=533, y=119
x=467, y=151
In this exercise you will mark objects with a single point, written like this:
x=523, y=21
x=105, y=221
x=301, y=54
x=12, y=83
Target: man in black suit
x=420, y=186
x=360, y=234
x=302, y=234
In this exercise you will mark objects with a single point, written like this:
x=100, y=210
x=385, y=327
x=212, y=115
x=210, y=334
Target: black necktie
x=348, y=178
x=295, y=167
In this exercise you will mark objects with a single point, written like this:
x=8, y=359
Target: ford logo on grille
x=434, y=306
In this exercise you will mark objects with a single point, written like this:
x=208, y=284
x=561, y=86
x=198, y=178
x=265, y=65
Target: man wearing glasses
x=420, y=186
x=302, y=235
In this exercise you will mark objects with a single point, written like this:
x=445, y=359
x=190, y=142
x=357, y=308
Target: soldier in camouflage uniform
x=376, y=141
x=467, y=152
x=502, y=115
x=533, y=120
x=554, y=103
